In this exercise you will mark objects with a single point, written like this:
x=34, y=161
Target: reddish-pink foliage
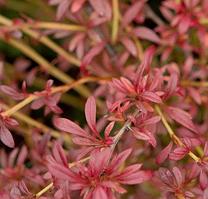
x=145, y=93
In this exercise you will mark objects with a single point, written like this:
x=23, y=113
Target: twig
x=45, y=189
x=115, y=21
x=45, y=40
x=172, y=135
x=54, y=90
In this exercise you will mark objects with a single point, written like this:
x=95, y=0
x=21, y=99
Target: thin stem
x=56, y=26
x=39, y=83
x=54, y=90
x=194, y=83
x=45, y=189
x=45, y=40
x=18, y=106
x=180, y=196
x=28, y=51
x=118, y=136
x=140, y=51
x=173, y=136
x=30, y=121
x=204, y=21
x=115, y=21
x=167, y=126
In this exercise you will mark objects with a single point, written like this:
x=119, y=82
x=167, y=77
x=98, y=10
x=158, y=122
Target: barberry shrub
x=103, y=99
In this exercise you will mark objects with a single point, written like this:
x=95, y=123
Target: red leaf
x=162, y=156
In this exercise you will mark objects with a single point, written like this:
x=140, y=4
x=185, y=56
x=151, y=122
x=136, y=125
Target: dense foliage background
x=103, y=99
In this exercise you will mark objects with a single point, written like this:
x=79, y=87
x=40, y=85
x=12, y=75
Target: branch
x=172, y=135
x=54, y=90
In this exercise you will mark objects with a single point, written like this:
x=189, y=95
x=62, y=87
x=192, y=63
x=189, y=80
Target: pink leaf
x=90, y=113
x=132, y=12
x=119, y=86
x=195, y=94
x=82, y=141
x=77, y=5
x=22, y=155
x=12, y=157
x=37, y=104
x=135, y=178
x=76, y=40
x=6, y=137
x=99, y=159
x=182, y=118
x=203, y=180
x=172, y=83
x=178, y=176
x=206, y=149
x=92, y=53
x=59, y=170
x=129, y=45
x=146, y=33
x=69, y=126
x=59, y=154
x=127, y=85
x=144, y=134
x=108, y=129
x=152, y=120
x=62, y=9
x=120, y=158
x=99, y=192
x=178, y=153
x=148, y=95
x=162, y=156
x=148, y=56
x=101, y=7
x=12, y=92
